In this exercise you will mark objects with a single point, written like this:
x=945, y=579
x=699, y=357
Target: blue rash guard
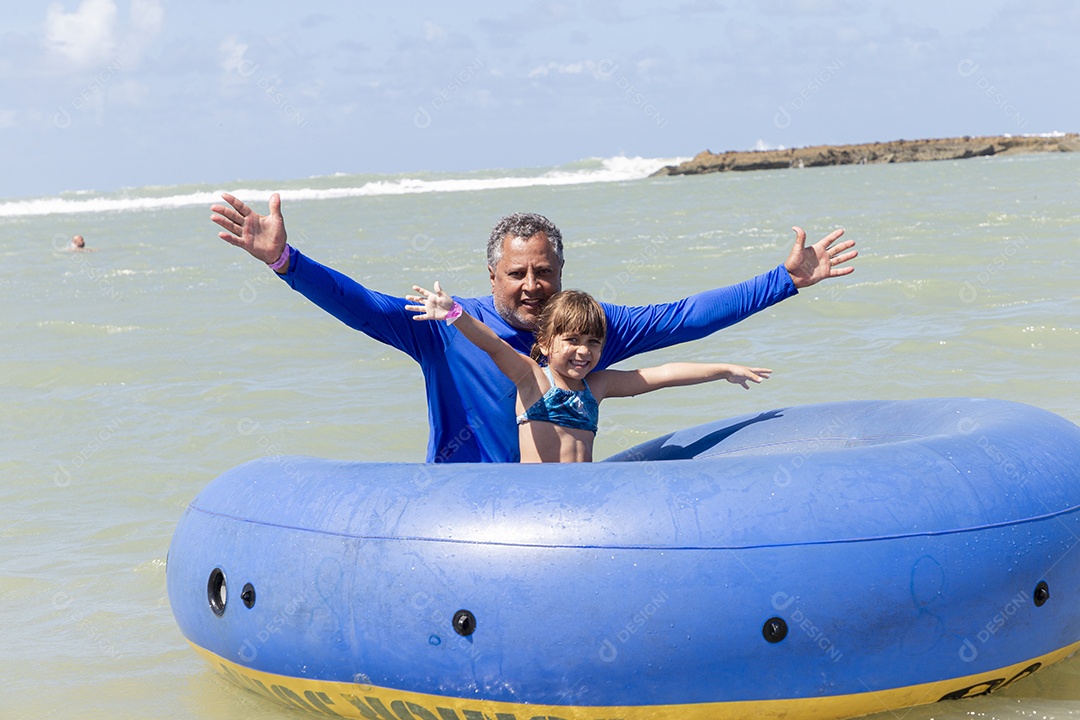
x=470, y=402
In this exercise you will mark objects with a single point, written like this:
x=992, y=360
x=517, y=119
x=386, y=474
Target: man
x=471, y=403
x=78, y=245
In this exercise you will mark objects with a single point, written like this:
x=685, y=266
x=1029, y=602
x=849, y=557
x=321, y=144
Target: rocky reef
x=895, y=151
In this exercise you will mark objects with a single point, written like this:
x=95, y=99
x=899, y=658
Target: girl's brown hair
x=568, y=312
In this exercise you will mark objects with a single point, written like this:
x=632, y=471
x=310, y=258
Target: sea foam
x=593, y=170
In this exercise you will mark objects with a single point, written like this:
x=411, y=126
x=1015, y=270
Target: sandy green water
x=135, y=374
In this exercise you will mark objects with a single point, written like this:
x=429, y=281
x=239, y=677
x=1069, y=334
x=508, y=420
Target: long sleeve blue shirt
x=470, y=402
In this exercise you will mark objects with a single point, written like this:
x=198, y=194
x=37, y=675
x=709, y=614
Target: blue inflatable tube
x=821, y=561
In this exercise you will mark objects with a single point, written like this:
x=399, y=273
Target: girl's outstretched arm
x=437, y=305
x=627, y=383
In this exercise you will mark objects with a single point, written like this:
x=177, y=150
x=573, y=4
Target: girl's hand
x=429, y=305
x=740, y=375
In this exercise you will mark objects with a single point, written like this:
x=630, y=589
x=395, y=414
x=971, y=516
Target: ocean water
x=135, y=374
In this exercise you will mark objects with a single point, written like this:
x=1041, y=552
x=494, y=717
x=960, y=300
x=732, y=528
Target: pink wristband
x=280, y=262
x=453, y=314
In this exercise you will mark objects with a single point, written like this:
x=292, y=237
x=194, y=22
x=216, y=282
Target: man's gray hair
x=523, y=225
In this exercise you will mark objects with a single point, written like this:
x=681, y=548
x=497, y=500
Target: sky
x=110, y=94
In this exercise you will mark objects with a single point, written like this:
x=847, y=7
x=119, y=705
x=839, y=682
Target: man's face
x=527, y=275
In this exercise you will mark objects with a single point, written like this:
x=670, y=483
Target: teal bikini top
x=576, y=409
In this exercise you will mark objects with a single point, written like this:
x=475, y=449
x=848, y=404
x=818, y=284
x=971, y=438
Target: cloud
x=697, y=7
x=85, y=36
x=796, y=8
x=92, y=34
x=558, y=68
x=600, y=70
x=231, y=51
x=433, y=31
x=535, y=18
x=147, y=20
x=316, y=20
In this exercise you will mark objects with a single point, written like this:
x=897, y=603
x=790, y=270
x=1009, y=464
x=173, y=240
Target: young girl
x=557, y=409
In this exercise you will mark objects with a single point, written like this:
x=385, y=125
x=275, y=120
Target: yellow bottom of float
x=370, y=702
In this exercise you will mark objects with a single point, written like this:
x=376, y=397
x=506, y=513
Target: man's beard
x=514, y=318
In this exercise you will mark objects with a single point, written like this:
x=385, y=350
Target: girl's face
x=573, y=355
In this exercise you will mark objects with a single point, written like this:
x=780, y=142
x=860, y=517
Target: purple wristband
x=280, y=262
x=454, y=313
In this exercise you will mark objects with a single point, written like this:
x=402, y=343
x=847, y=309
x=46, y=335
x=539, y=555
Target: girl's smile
x=572, y=356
